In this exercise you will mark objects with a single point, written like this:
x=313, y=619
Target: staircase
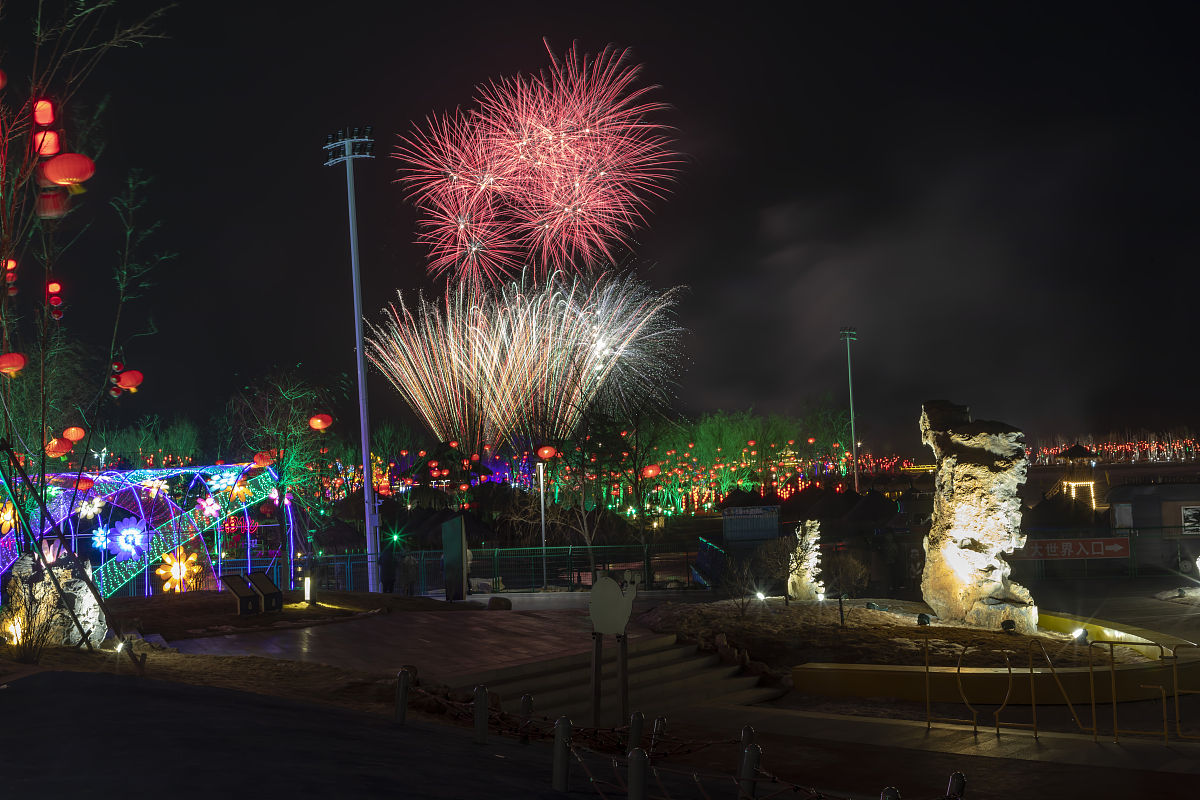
x=664, y=677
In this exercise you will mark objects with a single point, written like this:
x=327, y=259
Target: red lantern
x=751, y=443
x=404, y=452
x=421, y=453
x=319, y=422
x=263, y=459
x=462, y=487
x=69, y=169
x=55, y=448
x=475, y=456
x=74, y=434
x=650, y=470
x=453, y=444
x=812, y=440
x=46, y=143
x=547, y=452
x=12, y=363
x=83, y=484
x=445, y=472
x=51, y=205
x=43, y=112
x=433, y=463
x=129, y=380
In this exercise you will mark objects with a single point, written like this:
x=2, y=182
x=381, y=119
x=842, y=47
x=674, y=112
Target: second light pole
x=849, y=335
x=348, y=145
x=544, y=453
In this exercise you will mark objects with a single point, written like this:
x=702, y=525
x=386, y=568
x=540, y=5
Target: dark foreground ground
x=98, y=735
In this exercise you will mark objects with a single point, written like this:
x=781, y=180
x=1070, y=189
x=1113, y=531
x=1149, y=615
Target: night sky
x=1000, y=197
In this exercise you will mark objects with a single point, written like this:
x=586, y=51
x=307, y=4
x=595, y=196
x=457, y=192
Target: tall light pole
x=544, y=453
x=348, y=145
x=849, y=335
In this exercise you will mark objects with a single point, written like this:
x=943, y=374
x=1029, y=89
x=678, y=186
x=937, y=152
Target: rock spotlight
x=1008, y=626
x=760, y=595
x=1079, y=635
x=923, y=619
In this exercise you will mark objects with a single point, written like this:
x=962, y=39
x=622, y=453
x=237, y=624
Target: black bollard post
x=957, y=787
x=637, y=721
x=481, y=714
x=638, y=770
x=747, y=740
x=403, y=680
x=890, y=793
x=562, y=746
x=842, y=609
x=751, y=758
x=526, y=717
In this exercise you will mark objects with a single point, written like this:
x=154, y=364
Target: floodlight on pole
x=543, y=454
x=347, y=145
x=849, y=335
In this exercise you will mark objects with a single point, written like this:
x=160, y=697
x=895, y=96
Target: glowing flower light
x=208, y=507
x=177, y=570
x=153, y=487
x=100, y=538
x=52, y=550
x=88, y=509
x=129, y=539
x=222, y=481
x=8, y=517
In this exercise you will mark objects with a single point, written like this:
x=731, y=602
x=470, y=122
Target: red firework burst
x=561, y=165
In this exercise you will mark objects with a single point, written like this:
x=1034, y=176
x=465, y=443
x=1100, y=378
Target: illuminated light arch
x=143, y=493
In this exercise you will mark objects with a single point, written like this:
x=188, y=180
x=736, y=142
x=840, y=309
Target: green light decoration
x=182, y=528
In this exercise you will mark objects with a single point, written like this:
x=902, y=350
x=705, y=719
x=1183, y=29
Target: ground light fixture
x=760, y=595
x=923, y=619
x=1079, y=635
x=1008, y=626
x=820, y=597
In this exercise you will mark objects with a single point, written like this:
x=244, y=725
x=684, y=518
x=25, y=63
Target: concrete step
x=577, y=687
x=656, y=660
x=553, y=666
x=660, y=701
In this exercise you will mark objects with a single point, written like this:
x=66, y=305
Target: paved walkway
x=826, y=749
x=446, y=646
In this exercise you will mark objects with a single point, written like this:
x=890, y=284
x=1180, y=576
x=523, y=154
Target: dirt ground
x=783, y=636
x=193, y=614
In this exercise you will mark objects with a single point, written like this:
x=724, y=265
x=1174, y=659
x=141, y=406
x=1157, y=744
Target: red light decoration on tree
x=812, y=440
x=650, y=470
x=43, y=112
x=319, y=422
x=547, y=452
x=129, y=380
x=69, y=169
x=12, y=363
x=47, y=143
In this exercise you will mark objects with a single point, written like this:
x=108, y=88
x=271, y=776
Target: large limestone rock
x=806, y=562
x=29, y=581
x=976, y=519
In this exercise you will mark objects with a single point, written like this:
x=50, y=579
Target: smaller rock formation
x=806, y=562
x=976, y=519
x=30, y=584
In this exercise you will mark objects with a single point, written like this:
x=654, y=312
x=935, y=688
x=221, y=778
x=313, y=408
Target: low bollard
x=562, y=745
x=403, y=680
x=890, y=793
x=957, y=787
x=637, y=721
x=751, y=758
x=657, y=733
x=526, y=717
x=639, y=764
x=747, y=740
x=481, y=714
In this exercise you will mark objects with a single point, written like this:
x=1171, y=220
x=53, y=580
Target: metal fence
x=490, y=570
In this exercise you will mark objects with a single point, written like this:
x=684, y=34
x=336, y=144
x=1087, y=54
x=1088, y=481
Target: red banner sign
x=1073, y=548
